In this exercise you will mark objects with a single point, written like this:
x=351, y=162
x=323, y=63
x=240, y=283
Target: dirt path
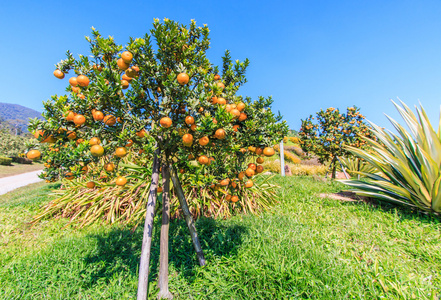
x=10, y=183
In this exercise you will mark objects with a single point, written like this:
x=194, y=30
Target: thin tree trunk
x=334, y=167
x=143, y=281
x=188, y=217
x=164, y=293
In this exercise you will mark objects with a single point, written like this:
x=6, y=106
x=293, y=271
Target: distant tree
x=332, y=131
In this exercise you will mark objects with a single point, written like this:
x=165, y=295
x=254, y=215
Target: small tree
x=167, y=103
x=332, y=132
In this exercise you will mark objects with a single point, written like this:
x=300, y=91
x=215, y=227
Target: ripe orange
x=83, y=80
x=121, y=152
x=224, y=182
x=109, y=167
x=189, y=120
x=236, y=127
x=79, y=141
x=121, y=181
x=259, y=151
x=126, y=78
x=203, y=160
x=217, y=77
x=79, y=120
x=127, y=57
x=241, y=176
x=259, y=169
x=268, y=151
x=165, y=122
x=235, y=112
x=142, y=133
x=71, y=135
x=220, y=134
x=241, y=106
x=109, y=120
x=228, y=197
x=84, y=170
x=81, y=96
x=131, y=72
x=69, y=176
x=94, y=141
x=242, y=117
x=70, y=116
x=201, y=109
x=125, y=84
x=75, y=89
x=214, y=100
x=203, y=141
x=73, y=81
x=249, y=183
x=249, y=172
x=187, y=139
x=259, y=160
x=190, y=156
x=234, y=199
x=193, y=127
x=90, y=184
x=159, y=189
x=135, y=68
x=58, y=74
x=129, y=143
x=220, y=85
x=97, y=150
x=98, y=115
x=183, y=78
x=221, y=101
x=122, y=64
x=33, y=154
x=252, y=166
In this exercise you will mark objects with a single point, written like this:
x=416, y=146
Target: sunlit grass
x=305, y=247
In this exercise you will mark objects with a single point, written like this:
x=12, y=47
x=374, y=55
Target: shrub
x=409, y=163
x=12, y=145
x=294, y=139
x=5, y=161
x=302, y=170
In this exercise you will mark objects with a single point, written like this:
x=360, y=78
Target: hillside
x=15, y=117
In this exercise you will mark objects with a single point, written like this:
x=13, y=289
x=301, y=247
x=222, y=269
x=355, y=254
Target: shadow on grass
x=403, y=212
x=119, y=250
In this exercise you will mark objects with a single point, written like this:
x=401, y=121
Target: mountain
x=14, y=117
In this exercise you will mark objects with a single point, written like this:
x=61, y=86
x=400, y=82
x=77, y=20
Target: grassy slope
x=306, y=247
x=16, y=169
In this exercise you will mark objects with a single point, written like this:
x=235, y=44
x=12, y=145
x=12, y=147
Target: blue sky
x=306, y=54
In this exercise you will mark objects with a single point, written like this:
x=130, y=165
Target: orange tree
x=332, y=132
x=161, y=98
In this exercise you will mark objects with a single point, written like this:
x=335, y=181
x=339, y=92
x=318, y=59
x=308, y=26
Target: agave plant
x=355, y=165
x=408, y=163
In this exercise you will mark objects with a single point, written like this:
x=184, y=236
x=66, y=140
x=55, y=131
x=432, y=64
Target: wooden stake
x=164, y=293
x=143, y=281
x=188, y=217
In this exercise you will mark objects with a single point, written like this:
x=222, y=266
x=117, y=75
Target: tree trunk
x=188, y=217
x=143, y=281
x=164, y=293
x=334, y=169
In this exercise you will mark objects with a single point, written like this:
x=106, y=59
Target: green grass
x=16, y=169
x=306, y=247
